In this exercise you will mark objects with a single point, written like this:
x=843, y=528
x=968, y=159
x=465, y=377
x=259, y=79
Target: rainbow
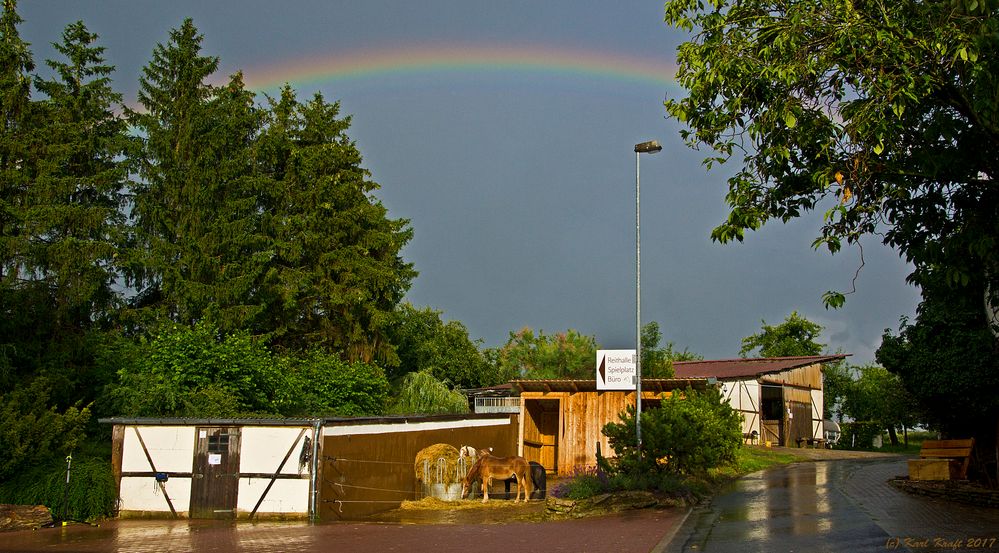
x=408, y=60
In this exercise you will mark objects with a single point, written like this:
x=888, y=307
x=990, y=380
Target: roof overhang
x=655, y=385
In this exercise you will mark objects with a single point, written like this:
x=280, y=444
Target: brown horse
x=487, y=467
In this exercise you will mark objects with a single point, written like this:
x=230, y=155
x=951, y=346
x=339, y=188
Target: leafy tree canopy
x=424, y=342
x=657, y=362
x=422, y=394
x=884, y=114
x=794, y=337
x=949, y=361
x=879, y=396
x=537, y=355
x=198, y=372
x=322, y=384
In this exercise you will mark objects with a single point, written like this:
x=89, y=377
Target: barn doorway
x=541, y=432
x=215, y=475
x=772, y=415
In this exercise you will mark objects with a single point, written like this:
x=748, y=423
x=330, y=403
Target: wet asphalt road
x=839, y=506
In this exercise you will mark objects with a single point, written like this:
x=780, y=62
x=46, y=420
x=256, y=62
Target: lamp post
x=650, y=147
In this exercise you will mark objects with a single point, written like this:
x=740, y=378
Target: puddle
x=496, y=511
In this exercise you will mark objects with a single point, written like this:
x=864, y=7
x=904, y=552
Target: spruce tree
x=15, y=98
x=74, y=215
x=73, y=222
x=338, y=259
x=15, y=175
x=199, y=248
x=39, y=386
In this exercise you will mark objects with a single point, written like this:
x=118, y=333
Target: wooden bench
x=942, y=460
x=814, y=442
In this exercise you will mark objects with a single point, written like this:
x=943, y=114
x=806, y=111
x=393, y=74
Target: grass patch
x=752, y=459
x=588, y=483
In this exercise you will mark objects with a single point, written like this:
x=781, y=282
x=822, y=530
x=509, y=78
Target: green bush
x=859, y=434
x=328, y=386
x=689, y=433
x=89, y=496
x=31, y=431
x=196, y=371
x=421, y=393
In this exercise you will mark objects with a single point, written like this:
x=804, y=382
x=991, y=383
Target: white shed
x=216, y=468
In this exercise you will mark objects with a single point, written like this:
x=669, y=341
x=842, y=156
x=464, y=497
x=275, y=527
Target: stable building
x=780, y=398
x=561, y=420
x=284, y=468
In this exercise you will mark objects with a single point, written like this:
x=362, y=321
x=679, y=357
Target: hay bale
x=432, y=454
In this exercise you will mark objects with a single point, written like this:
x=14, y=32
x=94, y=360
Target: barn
x=780, y=398
x=561, y=420
x=275, y=468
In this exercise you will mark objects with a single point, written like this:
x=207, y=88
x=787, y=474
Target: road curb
x=671, y=533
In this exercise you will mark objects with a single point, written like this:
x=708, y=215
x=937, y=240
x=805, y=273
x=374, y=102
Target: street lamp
x=650, y=147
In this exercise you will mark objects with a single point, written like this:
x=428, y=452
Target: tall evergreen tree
x=338, y=264
x=38, y=383
x=199, y=247
x=73, y=219
x=74, y=215
x=15, y=175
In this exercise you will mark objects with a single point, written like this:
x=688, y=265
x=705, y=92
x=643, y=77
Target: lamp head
x=650, y=147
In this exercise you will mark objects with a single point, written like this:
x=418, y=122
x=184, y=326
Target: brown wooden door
x=541, y=432
x=800, y=422
x=549, y=439
x=215, y=475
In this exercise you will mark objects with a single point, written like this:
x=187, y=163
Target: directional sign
x=616, y=369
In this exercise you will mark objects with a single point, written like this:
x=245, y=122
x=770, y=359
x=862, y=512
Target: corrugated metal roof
x=183, y=421
x=574, y=385
x=734, y=369
x=279, y=421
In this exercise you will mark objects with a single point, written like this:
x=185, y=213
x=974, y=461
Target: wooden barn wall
x=802, y=377
x=584, y=414
x=803, y=396
x=370, y=473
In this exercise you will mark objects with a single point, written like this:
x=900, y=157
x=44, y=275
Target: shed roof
x=735, y=369
x=582, y=385
x=280, y=421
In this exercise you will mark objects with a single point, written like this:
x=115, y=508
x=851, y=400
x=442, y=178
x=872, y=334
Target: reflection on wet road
x=829, y=507
x=795, y=508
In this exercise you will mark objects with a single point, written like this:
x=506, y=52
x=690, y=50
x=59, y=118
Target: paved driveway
x=636, y=532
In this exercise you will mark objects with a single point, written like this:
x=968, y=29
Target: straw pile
x=431, y=454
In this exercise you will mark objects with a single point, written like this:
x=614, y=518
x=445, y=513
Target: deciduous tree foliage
x=422, y=394
x=884, y=114
x=879, y=396
x=536, y=355
x=948, y=360
x=424, y=342
x=795, y=337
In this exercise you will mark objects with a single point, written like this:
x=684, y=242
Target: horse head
x=467, y=451
x=470, y=476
